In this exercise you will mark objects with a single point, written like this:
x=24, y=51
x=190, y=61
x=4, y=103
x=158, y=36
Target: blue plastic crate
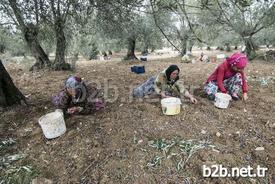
x=138, y=69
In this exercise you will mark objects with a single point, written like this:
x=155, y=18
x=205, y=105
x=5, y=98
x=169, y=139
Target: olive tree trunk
x=9, y=93
x=30, y=33
x=131, y=49
x=59, y=62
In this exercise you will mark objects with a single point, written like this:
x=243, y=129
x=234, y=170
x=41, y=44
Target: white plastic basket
x=53, y=124
x=171, y=106
x=221, y=56
x=222, y=100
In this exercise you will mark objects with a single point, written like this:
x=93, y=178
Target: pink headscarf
x=238, y=59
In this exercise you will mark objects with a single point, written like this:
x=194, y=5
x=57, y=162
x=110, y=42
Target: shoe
x=211, y=97
x=235, y=96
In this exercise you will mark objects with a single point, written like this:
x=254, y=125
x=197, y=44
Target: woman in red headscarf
x=229, y=78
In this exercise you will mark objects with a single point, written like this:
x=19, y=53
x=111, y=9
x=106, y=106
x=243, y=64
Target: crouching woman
x=165, y=84
x=78, y=98
x=229, y=77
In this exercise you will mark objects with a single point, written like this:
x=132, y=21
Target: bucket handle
x=60, y=111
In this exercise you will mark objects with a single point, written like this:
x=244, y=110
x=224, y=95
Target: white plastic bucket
x=171, y=106
x=53, y=124
x=221, y=56
x=222, y=100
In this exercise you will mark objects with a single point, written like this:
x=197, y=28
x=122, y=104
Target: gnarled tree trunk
x=227, y=47
x=2, y=48
x=42, y=59
x=9, y=93
x=145, y=50
x=131, y=49
x=30, y=33
x=190, y=45
x=183, y=43
x=59, y=62
x=250, y=47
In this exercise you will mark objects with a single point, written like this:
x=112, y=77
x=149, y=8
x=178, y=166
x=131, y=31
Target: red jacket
x=223, y=72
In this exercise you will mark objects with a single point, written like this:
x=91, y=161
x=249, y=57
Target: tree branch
x=36, y=11
x=53, y=10
x=17, y=14
x=182, y=8
x=155, y=20
x=9, y=14
x=8, y=23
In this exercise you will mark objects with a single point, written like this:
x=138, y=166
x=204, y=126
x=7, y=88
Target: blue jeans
x=147, y=88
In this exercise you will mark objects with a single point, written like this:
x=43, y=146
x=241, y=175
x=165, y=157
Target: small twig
x=89, y=166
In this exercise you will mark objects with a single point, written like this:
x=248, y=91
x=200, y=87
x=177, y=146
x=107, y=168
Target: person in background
x=229, y=77
x=204, y=58
x=187, y=58
x=78, y=98
x=165, y=84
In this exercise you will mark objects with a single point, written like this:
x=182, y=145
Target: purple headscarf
x=238, y=59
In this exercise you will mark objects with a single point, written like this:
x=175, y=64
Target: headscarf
x=170, y=70
x=238, y=59
x=73, y=82
x=76, y=83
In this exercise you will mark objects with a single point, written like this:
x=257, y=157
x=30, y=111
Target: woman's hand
x=163, y=95
x=193, y=100
x=72, y=110
x=245, y=97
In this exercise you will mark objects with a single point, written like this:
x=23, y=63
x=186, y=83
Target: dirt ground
x=113, y=146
